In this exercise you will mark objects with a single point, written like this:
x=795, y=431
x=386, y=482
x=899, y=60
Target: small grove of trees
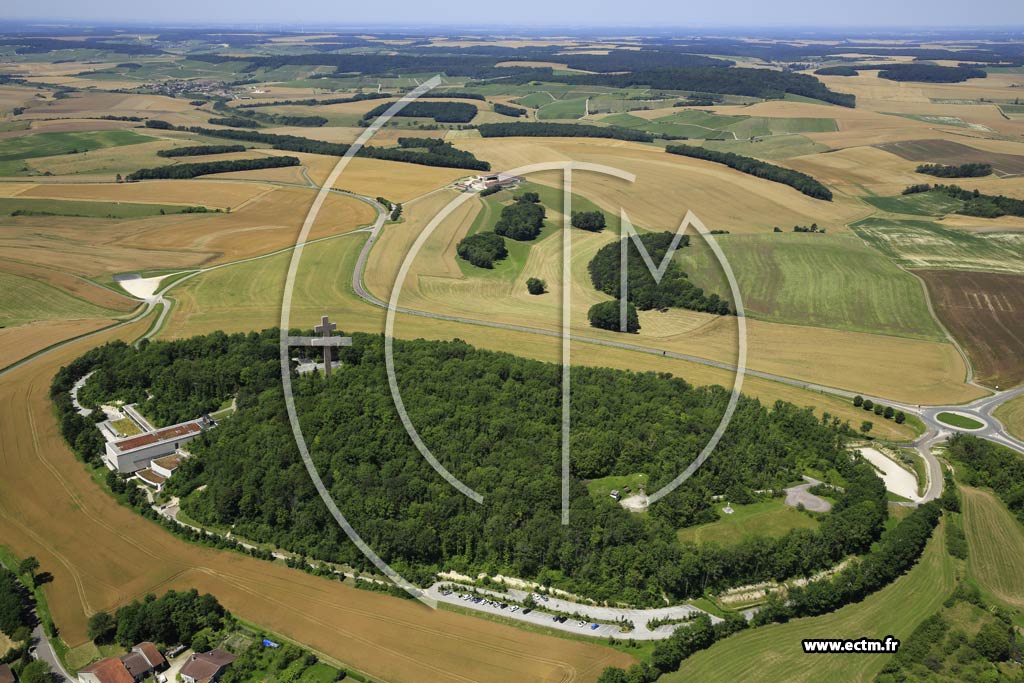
x=199, y=150
x=594, y=221
x=234, y=122
x=813, y=227
x=673, y=291
x=482, y=249
x=888, y=412
x=508, y=110
x=755, y=167
x=15, y=606
x=974, y=170
x=184, y=171
x=536, y=286
x=175, y=617
x=605, y=315
x=523, y=219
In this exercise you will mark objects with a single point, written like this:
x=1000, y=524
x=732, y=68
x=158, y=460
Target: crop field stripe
x=995, y=541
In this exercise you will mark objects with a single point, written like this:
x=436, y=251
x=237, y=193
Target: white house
x=137, y=452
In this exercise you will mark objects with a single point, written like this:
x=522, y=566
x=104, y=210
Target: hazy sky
x=657, y=13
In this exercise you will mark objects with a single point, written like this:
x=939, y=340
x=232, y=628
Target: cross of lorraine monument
x=326, y=340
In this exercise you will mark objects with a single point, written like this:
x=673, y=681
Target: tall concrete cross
x=326, y=340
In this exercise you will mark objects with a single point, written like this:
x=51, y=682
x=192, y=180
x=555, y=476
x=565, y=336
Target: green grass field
x=925, y=244
x=995, y=540
x=961, y=421
x=1011, y=414
x=769, y=518
x=773, y=653
x=26, y=300
x=775, y=147
x=85, y=209
x=917, y=204
x=14, y=150
x=699, y=124
x=572, y=108
x=819, y=280
x=625, y=484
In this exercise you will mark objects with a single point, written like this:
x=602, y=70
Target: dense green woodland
x=494, y=420
x=975, y=203
x=437, y=155
x=482, y=249
x=755, y=167
x=523, y=219
x=184, y=171
x=975, y=170
x=15, y=606
x=441, y=112
x=675, y=290
x=199, y=150
x=561, y=130
x=173, y=618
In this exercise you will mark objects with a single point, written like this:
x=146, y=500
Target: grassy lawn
x=925, y=244
x=917, y=204
x=14, y=150
x=961, y=421
x=572, y=108
x=773, y=653
x=85, y=209
x=769, y=518
x=1011, y=414
x=605, y=485
x=818, y=280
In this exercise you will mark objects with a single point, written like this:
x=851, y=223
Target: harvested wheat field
x=24, y=340
x=102, y=554
x=396, y=181
x=985, y=312
x=209, y=193
x=75, y=286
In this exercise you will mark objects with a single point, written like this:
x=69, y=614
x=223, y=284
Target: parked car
x=593, y=627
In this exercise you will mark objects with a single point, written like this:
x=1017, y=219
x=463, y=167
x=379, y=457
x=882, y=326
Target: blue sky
x=657, y=13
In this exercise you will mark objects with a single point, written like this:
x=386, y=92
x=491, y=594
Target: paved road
x=796, y=495
x=44, y=651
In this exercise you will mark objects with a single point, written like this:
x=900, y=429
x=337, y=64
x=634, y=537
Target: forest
x=975, y=170
x=482, y=249
x=436, y=155
x=975, y=202
x=199, y=150
x=561, y=130
x=184, y=171
x=441, y=112
x=494, y=421
x=606, y=315
x=675, y=290
x=312, y=101
x=760, y=169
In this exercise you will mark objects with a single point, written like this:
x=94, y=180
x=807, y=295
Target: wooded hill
x=495, y=422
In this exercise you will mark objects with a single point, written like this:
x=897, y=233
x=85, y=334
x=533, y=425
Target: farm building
x=143, y=660
x=482, y=182
x=137, y=452
x=205, y=667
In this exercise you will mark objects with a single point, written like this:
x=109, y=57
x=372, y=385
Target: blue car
x=593, y=627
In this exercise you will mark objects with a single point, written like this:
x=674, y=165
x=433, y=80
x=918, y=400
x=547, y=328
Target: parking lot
x=555, y=612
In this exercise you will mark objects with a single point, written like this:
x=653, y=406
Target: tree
x=482, y=249
x=605, y=315
x=858, y=401
x=866, y=426
x=901, y=417
x=36, y=671
x=29, y=566
x=879, y=409
x=101, y=628
x=868, y=404
x=993, y=641
x=889, y=413
x=536, y=286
